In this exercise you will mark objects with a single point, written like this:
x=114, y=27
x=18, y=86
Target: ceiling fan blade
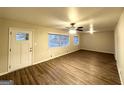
x=80, y=27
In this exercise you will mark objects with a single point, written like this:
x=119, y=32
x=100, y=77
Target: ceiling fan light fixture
x=72, y=31
x=91, y=29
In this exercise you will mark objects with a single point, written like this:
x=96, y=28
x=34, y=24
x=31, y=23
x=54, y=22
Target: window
x=56, y=40
x=22, y=36
x=64, y=40
x=53, y=40
x=76, y=40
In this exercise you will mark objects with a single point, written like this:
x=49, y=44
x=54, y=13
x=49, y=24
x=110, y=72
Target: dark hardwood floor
x=81, y=67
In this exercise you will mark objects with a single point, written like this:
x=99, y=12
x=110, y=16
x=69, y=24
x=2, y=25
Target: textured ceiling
x=103, y=19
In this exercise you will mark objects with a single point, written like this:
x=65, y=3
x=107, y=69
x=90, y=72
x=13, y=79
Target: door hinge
x=10, y=49
x=10, y=33
x=9, y=66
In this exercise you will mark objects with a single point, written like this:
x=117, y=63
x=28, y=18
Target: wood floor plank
x=17, y=78
x=80, y=67
x=33, y=74
x=31, y=79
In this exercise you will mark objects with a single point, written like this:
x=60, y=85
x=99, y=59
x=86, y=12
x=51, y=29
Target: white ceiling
x=103, y=19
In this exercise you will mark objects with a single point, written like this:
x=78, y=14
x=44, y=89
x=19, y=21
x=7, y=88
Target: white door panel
x=20, y=44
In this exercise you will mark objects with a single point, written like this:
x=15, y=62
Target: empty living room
x=61, y=46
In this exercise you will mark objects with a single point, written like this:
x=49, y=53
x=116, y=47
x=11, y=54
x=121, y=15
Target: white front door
x=20, y=48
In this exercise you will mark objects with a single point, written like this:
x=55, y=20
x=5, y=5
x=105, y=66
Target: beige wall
x=98, y=41
x=119, y=46
x=41, y=51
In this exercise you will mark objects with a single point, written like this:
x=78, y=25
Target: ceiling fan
x=74, y=28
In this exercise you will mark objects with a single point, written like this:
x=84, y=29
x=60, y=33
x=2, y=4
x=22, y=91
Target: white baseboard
x=3, y=73
x=97, y=51
x=34, y=63
x=119, y=72
x=13, y=70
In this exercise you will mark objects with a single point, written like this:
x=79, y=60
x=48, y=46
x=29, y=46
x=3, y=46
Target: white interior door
x=20, y=48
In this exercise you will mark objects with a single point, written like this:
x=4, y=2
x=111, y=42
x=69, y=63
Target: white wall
x=41, y=51
x=119, y=46
x=98, y=41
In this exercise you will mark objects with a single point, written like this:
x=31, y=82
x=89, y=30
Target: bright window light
x=76, y=40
